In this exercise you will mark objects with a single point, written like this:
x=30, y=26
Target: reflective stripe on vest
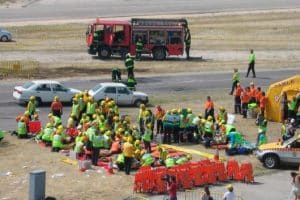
x=57, y=141
x=22, y=130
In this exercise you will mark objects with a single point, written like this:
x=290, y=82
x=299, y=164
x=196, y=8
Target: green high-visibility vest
x=91, y=108
x=81, y=103
x=31, y=107
x=47, y=136
x=106, y=143
x=57, y=121
x=120, y=159
x=251, y=58
x=90, y=133
x=292, y=105
x=1, y=134
x=98, y=141
x=57, y=141
x=147, y=135
x=75, y=110
x=207, y=127
x=170, y=162
x=78, y=147
x=236, y=76
x=139, y=46
x=147, y=159
x=182, y=160
x=129, y=63
x=22, y=130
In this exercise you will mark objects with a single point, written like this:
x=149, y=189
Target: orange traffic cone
x=216, y=156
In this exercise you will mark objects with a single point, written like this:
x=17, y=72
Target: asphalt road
x=155, y=85
x=75, y=9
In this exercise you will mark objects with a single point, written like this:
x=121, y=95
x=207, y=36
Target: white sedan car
x=44, y=91
x=119, y=93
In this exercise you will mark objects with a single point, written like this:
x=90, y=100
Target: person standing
x=172, y=188
x=139, y=49
x=229, y=195
x=141, y=118
x=237, y=99
x=31, y=107
x=159, y=113
x=187, y=40
x=97, y=142
x=128, y=153
x=284, y=107
x=251, y=66
x=206, y=195
x=235, y=80
x=209, y=108
x=245, y=98
x=263, y=103
x=56, y=107
x=129, y=64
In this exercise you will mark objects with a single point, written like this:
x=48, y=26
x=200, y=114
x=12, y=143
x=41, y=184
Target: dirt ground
x=60, y=51
x=22, y=156
x=223, y=41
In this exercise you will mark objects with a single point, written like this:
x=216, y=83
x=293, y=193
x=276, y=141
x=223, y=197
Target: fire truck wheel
x=104, y=52
x=159, y=53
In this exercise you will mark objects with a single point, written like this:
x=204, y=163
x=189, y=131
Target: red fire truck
x=160, y=37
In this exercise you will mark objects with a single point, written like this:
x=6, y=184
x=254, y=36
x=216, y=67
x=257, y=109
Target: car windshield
x=285, y=143
x=94, y=89
x=28, y=85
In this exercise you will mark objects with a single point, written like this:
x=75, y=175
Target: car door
x=124, y=96
x=44, y=92
x=62, y=92
x=295, y=151
x=110, y=92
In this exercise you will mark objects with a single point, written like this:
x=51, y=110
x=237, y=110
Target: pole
x=37, y=180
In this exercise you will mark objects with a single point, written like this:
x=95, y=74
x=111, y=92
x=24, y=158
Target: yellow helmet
x=189, y=157
x=209, y=118
x=203, y=121
x=91, y=99
x=50, y=115
x=120, y=130
x=137, y=152
x=94, y=116
x=60, y=127
x=200, y=116
x=116, y=118
x=22, y=119
x=56, y=98
x=137, y=142
x=142, y=106
x=32, y=98
x=102, y=118
x=113, y=102
x=149, y=125
x=107, y=99
x=189, y=110
x=48, y=125
x=129, y=139
x=174, y=111
x=147, y=113
x=134, y=127
x=108, y=133
x=222, y=109
x=26, y=113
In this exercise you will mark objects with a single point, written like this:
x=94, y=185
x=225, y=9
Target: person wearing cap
x=208, y=131
x=129, y=64
x=22, y=129
x=229, y=195
x=48, y=134
x=147, y=138
x=97, y=143
x=56, y=107
x=235, y=79
x=75, y=110
x=57, y=141
x=251, y=64
x=91, y=107
x=31, y=107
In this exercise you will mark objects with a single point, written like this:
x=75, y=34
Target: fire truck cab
x=160, y=37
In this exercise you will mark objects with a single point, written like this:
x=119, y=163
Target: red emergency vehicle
x=160, y=37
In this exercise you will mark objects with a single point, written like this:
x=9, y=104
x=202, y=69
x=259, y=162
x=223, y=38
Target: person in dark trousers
x=98, y=141
x=251, y=64
x=128, y=152
x=139, y=49
x=187, y=40
x=235, y=80
x=129, y=64
x=172, y=188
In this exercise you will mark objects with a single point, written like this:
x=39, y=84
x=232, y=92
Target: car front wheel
x=38, y=102
x=138, y=102
x=271, y=161
x=4, y=38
